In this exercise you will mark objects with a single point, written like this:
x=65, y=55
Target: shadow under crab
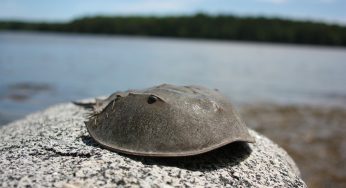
x=226, y=156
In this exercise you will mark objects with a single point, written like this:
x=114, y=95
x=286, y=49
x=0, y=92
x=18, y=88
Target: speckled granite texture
x=53, y=149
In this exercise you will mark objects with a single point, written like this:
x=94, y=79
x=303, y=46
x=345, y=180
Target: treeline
x=224, y=27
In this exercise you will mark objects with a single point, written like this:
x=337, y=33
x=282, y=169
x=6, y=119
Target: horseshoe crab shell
x=165, y=121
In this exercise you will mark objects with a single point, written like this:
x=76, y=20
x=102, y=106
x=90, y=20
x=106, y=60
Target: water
x=40, y=69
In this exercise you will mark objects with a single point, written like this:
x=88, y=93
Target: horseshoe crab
x=165, y=121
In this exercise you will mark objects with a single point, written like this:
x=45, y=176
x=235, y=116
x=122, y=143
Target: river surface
x=295, y=95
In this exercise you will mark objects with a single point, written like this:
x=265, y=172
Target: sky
x=333, y=11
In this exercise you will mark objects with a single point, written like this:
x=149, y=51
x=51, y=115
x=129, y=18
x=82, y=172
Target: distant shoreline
x=199, y=26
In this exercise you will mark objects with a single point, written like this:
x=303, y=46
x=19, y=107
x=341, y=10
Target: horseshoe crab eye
x=152, y=99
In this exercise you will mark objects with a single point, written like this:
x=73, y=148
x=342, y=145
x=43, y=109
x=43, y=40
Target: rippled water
x=295, y=95
x=72, y=67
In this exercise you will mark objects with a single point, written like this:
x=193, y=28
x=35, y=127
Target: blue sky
x=63, y=10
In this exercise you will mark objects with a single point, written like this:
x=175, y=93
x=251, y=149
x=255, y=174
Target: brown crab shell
x=166, y=121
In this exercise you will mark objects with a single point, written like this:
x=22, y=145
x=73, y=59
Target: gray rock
x=53, y=149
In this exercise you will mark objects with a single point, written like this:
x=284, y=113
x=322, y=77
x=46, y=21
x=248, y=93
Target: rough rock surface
x=53, y=149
